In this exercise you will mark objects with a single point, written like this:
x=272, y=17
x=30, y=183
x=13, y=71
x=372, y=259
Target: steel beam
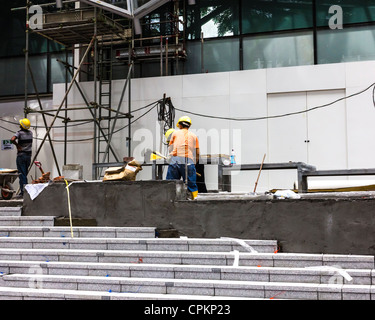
x=109, y=7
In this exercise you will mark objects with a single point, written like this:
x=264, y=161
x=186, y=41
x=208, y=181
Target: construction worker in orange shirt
x=184, y=152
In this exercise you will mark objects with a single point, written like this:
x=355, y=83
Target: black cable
x=283, y=115
x=122, y=128
x=88, y=139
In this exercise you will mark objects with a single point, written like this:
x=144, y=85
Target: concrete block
x=22, y=231
x=11, y=211
x=191, y=287
x=160, y=257
x=207, y=258
x=295, y=275
x=239, y=289
x=303, y=291
x=136, y=286
x=349, y=261
x=359, y=276
x=329, y=292
x=140, y=271
x=97, y=234
x=203, y=272
x=210, y=245
x=246, y=274
x=20, y=243
x=253, y=260
x=167, y=245
x=105, y=284
x=356, y=292
x=36, y=256
x=73, y=171
x=108, y=269
x=80, y=244
x=293, y=260
x=141, y=232
x=9, y=221
x=49, y=243
x=68, y=270
x=9, y=254
x=126, y=244
x=36, y=221
x=117, y=258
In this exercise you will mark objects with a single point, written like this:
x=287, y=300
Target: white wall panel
x=306, y=78
x=361, y=130
x=327, y=130
x=360, y=74
x=206, y=85
x=247, y=82
x=286, y=136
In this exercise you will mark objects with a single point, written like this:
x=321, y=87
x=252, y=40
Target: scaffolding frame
x=93, y=31
x=100, y=29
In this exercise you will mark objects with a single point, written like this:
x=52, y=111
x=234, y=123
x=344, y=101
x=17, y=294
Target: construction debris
x=127, y=172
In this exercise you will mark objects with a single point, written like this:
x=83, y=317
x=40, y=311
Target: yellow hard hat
x=168, y=134
x=25, y=123
x=184, y=119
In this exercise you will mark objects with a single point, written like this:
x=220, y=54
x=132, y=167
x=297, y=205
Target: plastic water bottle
x=233, y=157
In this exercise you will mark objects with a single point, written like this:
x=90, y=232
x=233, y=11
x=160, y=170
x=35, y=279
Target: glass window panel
x=193, y=61
x=37, y=44
x=353, y=11
x=12, y=75
x=38, y=66
x=218, y=56
x=278, y=50
x=274, y=15
x=216, y=18
x=12, y=28
x=348, y=44
x=58, y=69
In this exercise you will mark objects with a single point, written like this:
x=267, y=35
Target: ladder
x=105, y=67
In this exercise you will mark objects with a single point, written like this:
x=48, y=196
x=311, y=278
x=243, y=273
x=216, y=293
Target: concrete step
x=190, y=258
x=78, y=232
x=10, y=211
x=141, y=270
x=158, y=244
x=29, y=221
x=9, y=293
x=218, y=288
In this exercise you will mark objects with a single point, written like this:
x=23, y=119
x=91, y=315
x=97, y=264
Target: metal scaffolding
x=95, y=32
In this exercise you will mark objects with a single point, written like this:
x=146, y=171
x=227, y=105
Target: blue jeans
x=23, y=163
x=176, y=171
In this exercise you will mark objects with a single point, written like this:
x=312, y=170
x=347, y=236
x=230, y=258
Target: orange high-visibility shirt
x=185, y=144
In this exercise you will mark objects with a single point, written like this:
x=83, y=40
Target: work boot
x=193, y=195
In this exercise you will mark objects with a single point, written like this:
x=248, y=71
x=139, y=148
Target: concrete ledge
x=10, y=211
x=178, y=257
x=9, y=293
x=79, y=232
x=263, y=274
x=16, y=221
x=222, y=288
x=198, y=245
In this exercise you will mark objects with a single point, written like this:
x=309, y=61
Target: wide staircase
x=39, y=260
